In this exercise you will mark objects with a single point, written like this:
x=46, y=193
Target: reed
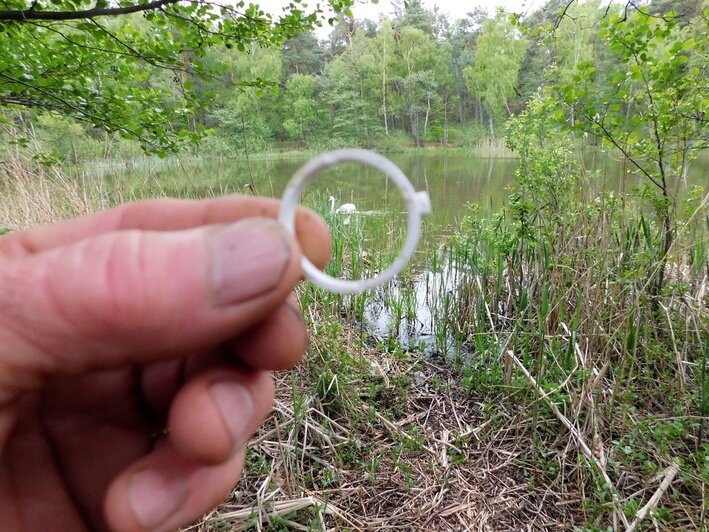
x=567, y=295
x=34, y=193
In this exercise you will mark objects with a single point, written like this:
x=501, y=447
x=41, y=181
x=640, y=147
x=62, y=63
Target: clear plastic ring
x=418, y=205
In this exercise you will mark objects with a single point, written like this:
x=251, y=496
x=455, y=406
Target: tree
x=685, y=10
x=302, y=55
x=379, y=62
x=411, y=13
x=93, y=60
x=417, y=83
x=301, y=105
x=462, y=36
x=494, y=76
x=656, y=111
x=352, y=99
x=245, y=113
x=574, y=41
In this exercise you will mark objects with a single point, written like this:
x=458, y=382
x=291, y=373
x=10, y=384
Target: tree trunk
x=384, y=88
x=445, y=122
x=415, y=128
x=667, y=233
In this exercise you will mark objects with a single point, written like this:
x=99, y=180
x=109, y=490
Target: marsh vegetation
x=542, y=362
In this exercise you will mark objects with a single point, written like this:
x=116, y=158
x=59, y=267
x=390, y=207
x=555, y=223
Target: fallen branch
x=670, y=474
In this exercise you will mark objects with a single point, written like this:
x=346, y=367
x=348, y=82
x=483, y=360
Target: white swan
x=345, y=208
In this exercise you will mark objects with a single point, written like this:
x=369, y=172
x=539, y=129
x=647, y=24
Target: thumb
x=135, y=297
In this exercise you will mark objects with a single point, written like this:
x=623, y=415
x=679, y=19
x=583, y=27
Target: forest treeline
x=415, y=78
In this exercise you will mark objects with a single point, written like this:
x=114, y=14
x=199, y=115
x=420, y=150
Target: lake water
x=453, y=180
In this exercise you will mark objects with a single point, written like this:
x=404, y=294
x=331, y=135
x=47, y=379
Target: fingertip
x=215, y=414
x=252, y=259
x=166, y=490
x=278, y=342
x=313, y=235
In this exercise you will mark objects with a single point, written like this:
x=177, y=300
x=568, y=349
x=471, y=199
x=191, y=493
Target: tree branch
x=31, y=14
x=80, y=114
x=608, y=136
x=563, y=14
x=174, y=66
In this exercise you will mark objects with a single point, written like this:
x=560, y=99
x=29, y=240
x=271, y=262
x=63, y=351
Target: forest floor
x=387, y=440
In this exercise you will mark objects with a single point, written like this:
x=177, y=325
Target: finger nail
x=155, y=495
x=248, y=259
x=236, y=408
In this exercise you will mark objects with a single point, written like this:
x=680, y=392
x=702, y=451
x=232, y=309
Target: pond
x=453, y=179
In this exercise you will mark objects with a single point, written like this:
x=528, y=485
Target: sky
x=456, y=9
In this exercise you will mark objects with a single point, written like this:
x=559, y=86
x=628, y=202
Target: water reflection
x=406, y=309
x=415, y=312
x=453, y=180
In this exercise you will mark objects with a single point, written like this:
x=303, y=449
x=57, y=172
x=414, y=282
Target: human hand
x=135, y=349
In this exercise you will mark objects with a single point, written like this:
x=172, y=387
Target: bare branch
x=563, y=14
x=32, y=14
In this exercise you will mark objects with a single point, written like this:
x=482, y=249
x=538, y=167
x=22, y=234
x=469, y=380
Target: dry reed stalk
x=35, y=195
x=444, y=478
x=580, y=442
x=669, y=476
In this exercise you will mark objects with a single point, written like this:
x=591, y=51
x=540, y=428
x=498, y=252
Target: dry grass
x=34, y=194
x=417, y=453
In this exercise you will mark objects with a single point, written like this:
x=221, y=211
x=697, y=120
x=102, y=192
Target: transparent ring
x=418, y=204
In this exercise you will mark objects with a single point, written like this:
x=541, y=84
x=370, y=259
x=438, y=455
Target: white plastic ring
x=418, y=205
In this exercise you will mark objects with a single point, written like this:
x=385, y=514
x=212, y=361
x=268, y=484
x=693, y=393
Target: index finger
x=169, y=215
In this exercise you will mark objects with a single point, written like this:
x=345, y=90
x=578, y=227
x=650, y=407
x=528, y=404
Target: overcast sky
x=454, y=8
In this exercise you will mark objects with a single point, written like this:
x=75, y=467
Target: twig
x=583, y=446
x=670, y=474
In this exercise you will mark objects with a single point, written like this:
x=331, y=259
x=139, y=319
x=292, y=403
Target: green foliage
x=346, y=82
x=302, y=107
x=548, y=167
x=498, y=59
x=661, y=70
x=561, y=284
x=169, y=77
x=652, y=108
x=574, y=41
x=97, y=62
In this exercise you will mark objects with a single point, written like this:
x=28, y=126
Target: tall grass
x=596, y=386
x=547, y=310
x=553, y=304
x=34, y=193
